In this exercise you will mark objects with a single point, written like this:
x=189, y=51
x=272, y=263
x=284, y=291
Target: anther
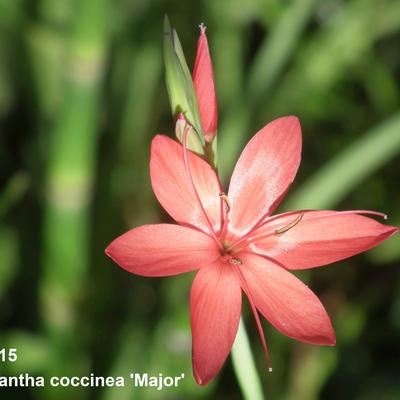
x=224, y=197
x=236, y=261
x=281, y=231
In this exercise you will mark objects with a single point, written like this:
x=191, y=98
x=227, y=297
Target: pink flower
x=236, y=245
x=203, y=80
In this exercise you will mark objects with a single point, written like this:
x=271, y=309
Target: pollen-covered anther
x=225, y=199
x=236, y=261
x=290, y=225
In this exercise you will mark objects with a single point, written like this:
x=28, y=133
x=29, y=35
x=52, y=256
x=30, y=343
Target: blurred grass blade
x=243, y=364
x=277, y=47
x=137, y=117
x=47, y=50
x=343, y=39
x=339, y=176
x=229, y=40
x=70, y=178
x=270, y=60
x=182, y=95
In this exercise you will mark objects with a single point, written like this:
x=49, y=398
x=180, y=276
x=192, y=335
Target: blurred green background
x=82, y=93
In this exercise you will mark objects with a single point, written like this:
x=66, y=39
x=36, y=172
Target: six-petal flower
x=238, y=246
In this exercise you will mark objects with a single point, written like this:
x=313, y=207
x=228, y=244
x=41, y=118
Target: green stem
x=244, y=366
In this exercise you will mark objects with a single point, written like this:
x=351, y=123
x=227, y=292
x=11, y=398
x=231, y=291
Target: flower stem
x=244, y=366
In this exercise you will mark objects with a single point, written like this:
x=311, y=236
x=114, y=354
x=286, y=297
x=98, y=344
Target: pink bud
x=203, y=79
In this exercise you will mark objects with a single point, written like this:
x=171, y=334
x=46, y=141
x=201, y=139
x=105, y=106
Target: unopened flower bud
x=203, y=79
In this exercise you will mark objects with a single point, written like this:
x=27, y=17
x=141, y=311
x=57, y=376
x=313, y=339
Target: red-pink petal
x=264, y=172
x=172, y=187
x=286, y=302
x=321, y=237
x=203, y=79
x=163, y=249
x=215, y=305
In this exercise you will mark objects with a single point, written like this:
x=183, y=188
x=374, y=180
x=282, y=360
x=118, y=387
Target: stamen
x=250, y=233
x=189, y=173
x=225, y=207
x=281, y=231
x=251, y=237
x=224, y=197
x=221, y=213
x=280, y=216
x=256, y=317
x=224, y=226
x=365, y=212
x=236, y=261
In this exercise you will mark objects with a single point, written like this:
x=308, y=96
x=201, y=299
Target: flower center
x=227, y=254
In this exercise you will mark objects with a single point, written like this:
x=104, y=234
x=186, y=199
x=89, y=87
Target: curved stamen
x=256, y=317
x=250, y=236
x=224, y=197
x=189, y=173
x=334, y=213
x=322, y=214
x=278, y=217
x=225, y=207
x=221, y=213
x=259, y=223
x=290, y=225
x=277, y=232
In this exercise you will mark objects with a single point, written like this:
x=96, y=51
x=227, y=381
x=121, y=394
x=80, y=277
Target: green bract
x=192, y=142
x=180, y=87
